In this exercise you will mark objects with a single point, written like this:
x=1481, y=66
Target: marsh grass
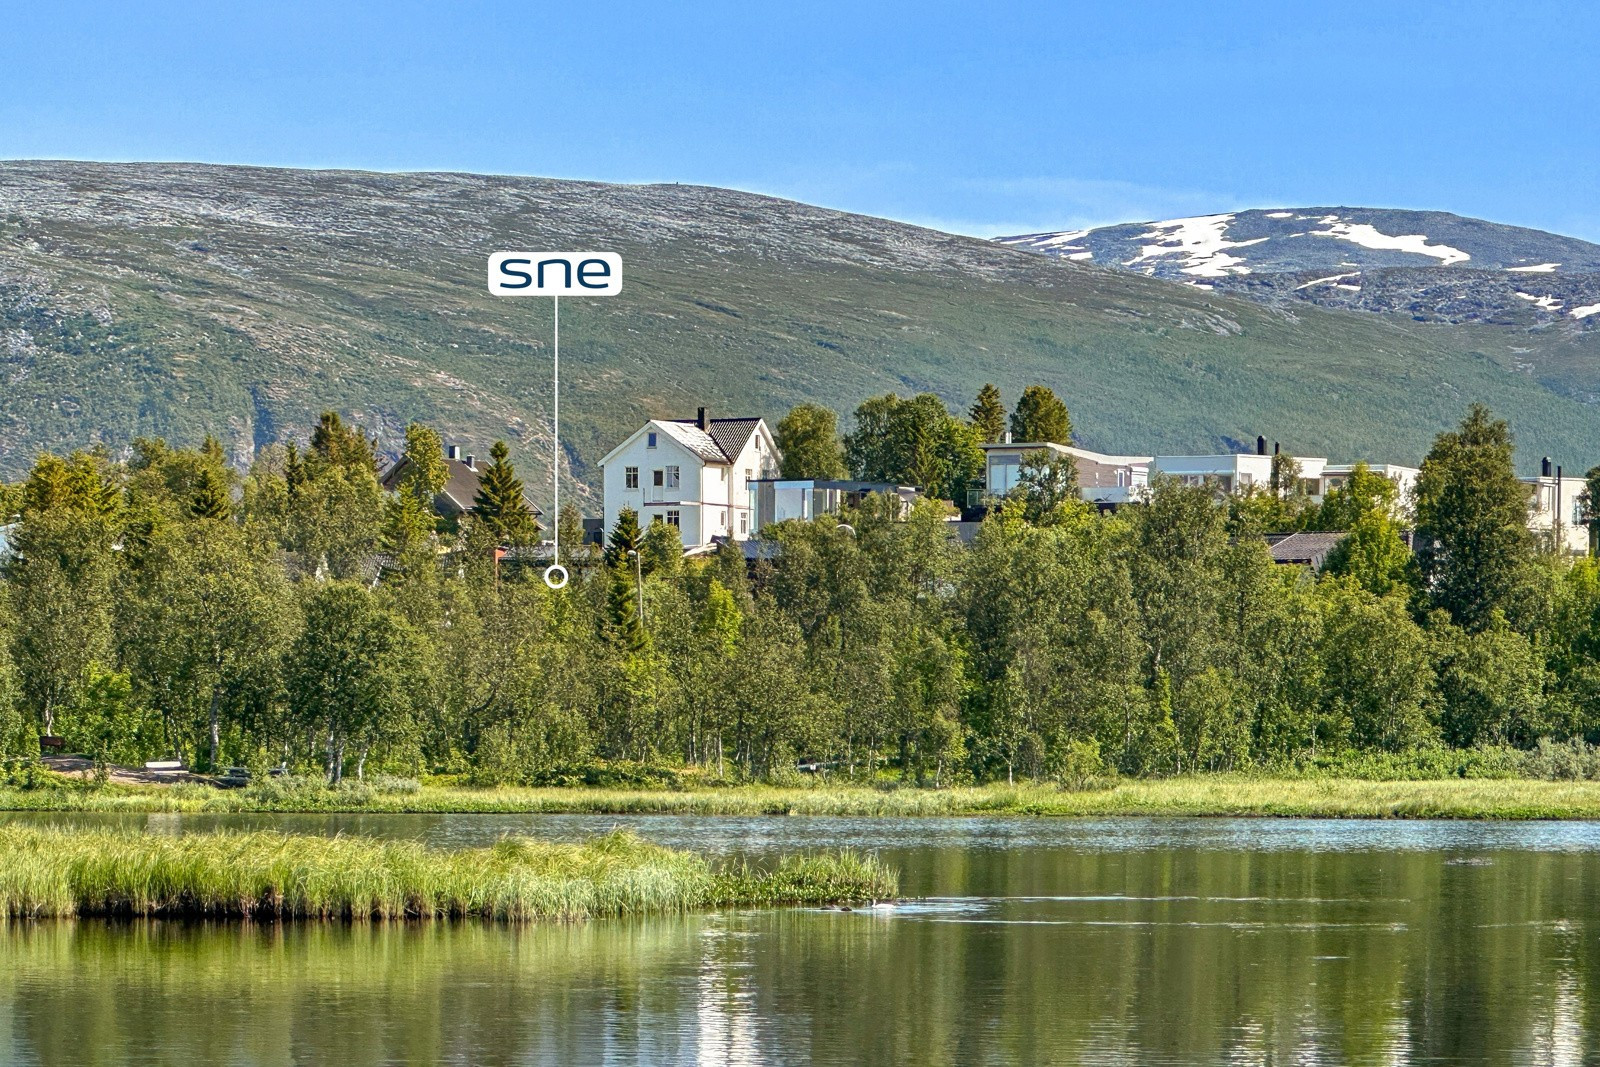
x=1221, y=794
x=53, y=873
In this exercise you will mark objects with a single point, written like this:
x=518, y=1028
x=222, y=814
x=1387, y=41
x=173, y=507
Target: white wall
x=711, y=496
x=645, y=500
x=759, y=459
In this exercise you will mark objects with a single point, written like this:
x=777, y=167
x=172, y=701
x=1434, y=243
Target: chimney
x=703, y=420
x=1544, y=467
x=1008, y=437
x=472, y=462
x=1275, y=448
x=452, y=451
x=1261, y=445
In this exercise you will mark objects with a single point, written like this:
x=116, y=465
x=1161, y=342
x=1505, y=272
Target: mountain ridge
x=1431, y=266
x=184, y=299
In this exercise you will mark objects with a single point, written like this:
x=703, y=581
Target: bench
x=164, y=766
x=234, y=778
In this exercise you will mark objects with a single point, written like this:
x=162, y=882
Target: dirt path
x=83, y=767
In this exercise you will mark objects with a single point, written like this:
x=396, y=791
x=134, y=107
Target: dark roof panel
x=1306, y=548
x=731, y=435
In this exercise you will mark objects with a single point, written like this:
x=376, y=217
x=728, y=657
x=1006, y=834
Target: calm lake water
x=1037, y=941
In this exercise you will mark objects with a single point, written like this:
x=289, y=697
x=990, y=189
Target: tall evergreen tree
x=988, y=414
x=212, y=498
x=500, y=503
x=1472, y=540
x=1041, y=417
x=625, y=537
x=294, y=470
x=339, y=445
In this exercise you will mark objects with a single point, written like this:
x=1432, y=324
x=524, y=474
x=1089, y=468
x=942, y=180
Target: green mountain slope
x=181, y=300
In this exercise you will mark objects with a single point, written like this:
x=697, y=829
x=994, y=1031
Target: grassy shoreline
x=58, y=873
x=1218, y=795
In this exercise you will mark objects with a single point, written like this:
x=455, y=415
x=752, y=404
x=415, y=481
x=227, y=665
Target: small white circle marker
x=555, y=576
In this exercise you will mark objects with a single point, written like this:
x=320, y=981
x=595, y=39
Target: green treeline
x=162, y=606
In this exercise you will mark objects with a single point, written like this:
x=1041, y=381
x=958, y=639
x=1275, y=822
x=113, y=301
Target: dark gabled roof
x=731, y=435
x=461, y=483
x=1309, y=549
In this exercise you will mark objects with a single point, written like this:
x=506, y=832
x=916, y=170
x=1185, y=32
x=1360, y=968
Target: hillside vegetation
x=182, y=300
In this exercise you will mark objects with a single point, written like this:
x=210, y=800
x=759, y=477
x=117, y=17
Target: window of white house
x=744, y=522
x=673, y=478
x=630, y=477
x=674, y=517
x=722, y=518
x=651, y=443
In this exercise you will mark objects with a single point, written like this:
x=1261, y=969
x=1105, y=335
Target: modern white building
x=1102, y=479
x=780, y=499
x=1554, y=510
x=693, y=474
x=1335, y=475
x=1230, y=473
x=1109, y=480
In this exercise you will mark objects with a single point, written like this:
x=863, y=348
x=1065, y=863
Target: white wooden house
x=693, y=474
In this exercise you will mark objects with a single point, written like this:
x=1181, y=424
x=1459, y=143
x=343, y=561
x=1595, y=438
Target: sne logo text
x=555, y=274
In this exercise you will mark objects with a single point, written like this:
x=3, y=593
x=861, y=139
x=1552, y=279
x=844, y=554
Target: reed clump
x=52, y=873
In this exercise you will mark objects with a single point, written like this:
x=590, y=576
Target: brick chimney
x=703, y=420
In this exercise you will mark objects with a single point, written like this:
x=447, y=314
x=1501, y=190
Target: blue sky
x=983, y=118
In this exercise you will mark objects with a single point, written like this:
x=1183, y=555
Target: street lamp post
x=638, y=581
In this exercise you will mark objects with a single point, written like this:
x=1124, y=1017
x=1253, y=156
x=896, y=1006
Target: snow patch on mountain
x=1537, y=268
x=1201, y=241
x=1585, y=311
x=1062, y=241
x=1368, y=236
x=1548, y=303
x=1329, y=278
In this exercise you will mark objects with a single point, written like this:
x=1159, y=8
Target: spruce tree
x=622, y=591
x=294, y=470
x=625, y=537
x=212, y=499
x=500, y=503
x=988, y=414
x=339, y=445
x=1041, y=417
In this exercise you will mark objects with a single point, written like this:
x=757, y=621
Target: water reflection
x=1061, y=947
